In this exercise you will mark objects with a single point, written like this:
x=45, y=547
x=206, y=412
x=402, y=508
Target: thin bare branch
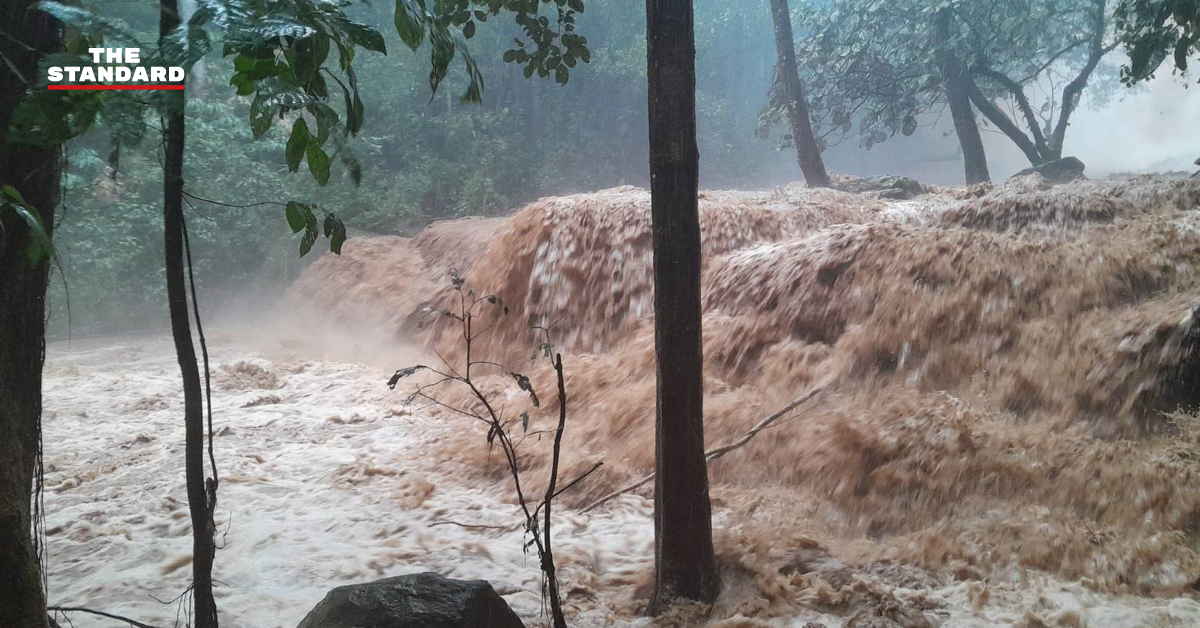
x=81, y=609
x=718, y=452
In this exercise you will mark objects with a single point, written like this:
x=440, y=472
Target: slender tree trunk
x=35, y=172
x=1074, y=89
x=201, y=502
x=1018, y=93
x=1002, y=122
x=685, y=566
x=808, y=152
x=953, y=77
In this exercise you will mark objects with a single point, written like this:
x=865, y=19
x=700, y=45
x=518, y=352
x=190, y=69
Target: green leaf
x=259, y=125
x=338, y=238
x=269, y=30
x=327, y=120
x=297, y=144
x=244, y=63
x=336, y=232
x=11, y=194
x=469, y=30
x=243, y=83
x=295, y=216
x=307, y=240
x=352, y=165
x=409, y=22
x=1181, y=53
x=40, y=246
x=318, y=163
x=365, y=36
x=85, y=21
x=358, y=113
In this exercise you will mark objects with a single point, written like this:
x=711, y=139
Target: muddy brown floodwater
x=1003, y=436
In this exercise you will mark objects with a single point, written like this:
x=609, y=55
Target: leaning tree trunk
x=35, y=173
x=201, y=502
x=954, y=79
x=684, y=563
x=1074, y=90
x=808, y=152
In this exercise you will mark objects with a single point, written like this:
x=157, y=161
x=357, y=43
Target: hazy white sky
x=1153, y=128
x=1156, y=128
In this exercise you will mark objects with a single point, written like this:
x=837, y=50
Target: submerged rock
x=890, y=187
x=424, y=600
x=1057, y=171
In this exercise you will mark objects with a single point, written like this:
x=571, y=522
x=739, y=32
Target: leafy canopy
x=871, y=65
x=293, y=59
x=1155, y=30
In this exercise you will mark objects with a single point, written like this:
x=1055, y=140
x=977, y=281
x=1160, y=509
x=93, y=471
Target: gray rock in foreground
x=424, y=600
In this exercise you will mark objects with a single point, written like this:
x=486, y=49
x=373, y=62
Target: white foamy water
x=328, y=479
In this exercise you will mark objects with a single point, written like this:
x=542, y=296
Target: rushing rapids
x=1007, y=371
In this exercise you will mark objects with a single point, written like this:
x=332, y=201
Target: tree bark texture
x=35, y=172
x=685, y=566
x=808, y=152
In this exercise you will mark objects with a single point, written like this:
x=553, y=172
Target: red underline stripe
x=139, y=87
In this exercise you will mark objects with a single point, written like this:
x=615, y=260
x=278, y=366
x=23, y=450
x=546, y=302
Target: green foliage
x=39, y=248
x=420, y=159
x=302, y=217
x=1154, y=31
x=281, y=58
x=871, y=65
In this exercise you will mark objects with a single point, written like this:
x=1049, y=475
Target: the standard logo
x=130, y=74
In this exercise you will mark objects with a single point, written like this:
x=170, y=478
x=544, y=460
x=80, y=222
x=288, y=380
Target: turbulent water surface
x=997, y=440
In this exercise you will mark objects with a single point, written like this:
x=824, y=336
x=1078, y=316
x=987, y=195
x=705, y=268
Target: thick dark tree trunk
x=684, y=563
x=954, y=79
x=201, y=502
x=808, y=152
x=35, y=173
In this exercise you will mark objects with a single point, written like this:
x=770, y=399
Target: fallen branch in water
x=473, y=526
x=80, y=609
x=713, y=454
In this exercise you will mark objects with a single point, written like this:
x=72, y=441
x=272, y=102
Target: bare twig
x=471, y=526
x=573, y=483
x=578, y=479
x=718, y=452
x=80, y=609
x=538, y=530
x=548, y=554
